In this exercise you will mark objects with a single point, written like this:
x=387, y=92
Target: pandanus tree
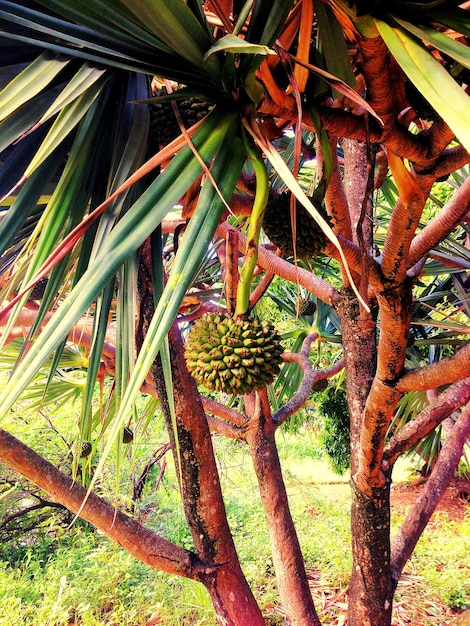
x=92, y=184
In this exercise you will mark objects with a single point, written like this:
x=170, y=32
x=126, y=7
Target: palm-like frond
x=75, y=127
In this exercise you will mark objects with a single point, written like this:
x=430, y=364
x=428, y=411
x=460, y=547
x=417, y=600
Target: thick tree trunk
x=357, y=170
x=203, y=504
x=370, y=591
x=201, y=493
x=360, y=355
x=288, y=562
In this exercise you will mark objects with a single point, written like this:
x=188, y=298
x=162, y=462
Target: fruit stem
x=254, y=229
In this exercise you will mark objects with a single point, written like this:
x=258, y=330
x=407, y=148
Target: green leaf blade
x=30, y=82
x=442, y=42
x=130, y=232
x=235, y=45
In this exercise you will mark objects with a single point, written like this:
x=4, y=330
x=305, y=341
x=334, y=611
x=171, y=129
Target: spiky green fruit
x=81, y=451
x=127, y=435
x=306, y=306
x=164, y=126
x=310, y=239
x=233, y=355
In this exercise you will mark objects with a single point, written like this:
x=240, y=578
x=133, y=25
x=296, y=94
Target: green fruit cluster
x=81, y=451
x=310, y=239
x=233, y=355
x=164, y=126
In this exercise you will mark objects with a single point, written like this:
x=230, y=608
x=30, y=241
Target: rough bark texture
x=201, y=493
x=370, y=590
x=370, y=593
x=394, y=307
x=359, y=346
x=356, y=174
x=288, y=562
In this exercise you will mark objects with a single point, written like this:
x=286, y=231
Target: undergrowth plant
x=73, y=573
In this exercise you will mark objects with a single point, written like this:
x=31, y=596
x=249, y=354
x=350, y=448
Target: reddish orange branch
x=422, y=424
x=274, y=264
x=443, y=224
x=403, y=223
x=132, y=536
x=449, y=370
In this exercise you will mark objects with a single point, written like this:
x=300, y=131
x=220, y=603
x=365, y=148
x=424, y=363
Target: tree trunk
x=360, y=355
x=288, y=562
x=357, y=170
x=201, y=493
x=370, y=591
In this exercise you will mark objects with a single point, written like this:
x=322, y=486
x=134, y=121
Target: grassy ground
x=79, y=577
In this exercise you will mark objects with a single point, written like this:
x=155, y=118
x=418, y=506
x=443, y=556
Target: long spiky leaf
x=429, y=76
x=226, y=170
x=67, y=120
x=30, y=82
x=72, y=238
x=136, y=225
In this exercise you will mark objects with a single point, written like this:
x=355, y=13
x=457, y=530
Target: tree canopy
x=120, y=230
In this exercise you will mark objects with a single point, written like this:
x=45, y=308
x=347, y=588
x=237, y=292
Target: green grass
x=92, y=582
x=442, y=559
x=56, y=577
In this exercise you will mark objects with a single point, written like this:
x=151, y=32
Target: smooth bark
x=421, y=425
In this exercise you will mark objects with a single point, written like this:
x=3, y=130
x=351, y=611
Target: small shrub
x=463, y=471
x=334, y=431
x=458, y=600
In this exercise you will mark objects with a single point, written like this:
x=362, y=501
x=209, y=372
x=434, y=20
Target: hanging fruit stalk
x=254, y=230
x=238, y=354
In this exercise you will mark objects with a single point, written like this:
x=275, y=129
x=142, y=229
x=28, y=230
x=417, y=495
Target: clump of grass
x=442, y=559
x=463, y=471
x=92, y=582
